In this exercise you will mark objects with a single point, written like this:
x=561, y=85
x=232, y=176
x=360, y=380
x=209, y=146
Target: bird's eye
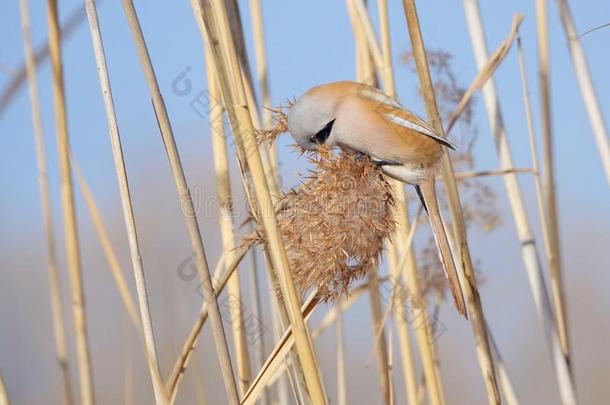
x=323, y=134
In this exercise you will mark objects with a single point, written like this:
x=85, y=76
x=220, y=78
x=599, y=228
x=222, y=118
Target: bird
x=361, y=118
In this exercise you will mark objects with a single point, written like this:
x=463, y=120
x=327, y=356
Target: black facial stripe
x=324, y=133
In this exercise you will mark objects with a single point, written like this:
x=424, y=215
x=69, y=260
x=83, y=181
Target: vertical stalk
x=263, y=82
x=507, y=386
x=59, y=327
x=341, y=366
x=423, y=331
x=359, y=8
x=263, y=77
x=255, y=299
x=187, y=202
x=381, y=349
x=69, y=212
x=585, y=84
x=243, y=129
x=532, y=143
x=548, y=177
x=413, y=292
x=467, y=276
x=3, y=393
x=529, y=249
x=104, y=238
x=221, y=167
x=130, y=225
x=228, y=19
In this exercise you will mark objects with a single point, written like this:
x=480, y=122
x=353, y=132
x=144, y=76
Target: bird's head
x=311, y=118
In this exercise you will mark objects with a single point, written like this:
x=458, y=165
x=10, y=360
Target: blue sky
x=306, y=46
x=308, y=43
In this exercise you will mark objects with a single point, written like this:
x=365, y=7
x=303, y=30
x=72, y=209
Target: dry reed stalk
x=507, y=386
x=493, y=172
x=341, y=365
x=229, y=20
x=130, y=226
x=400, y=244
x=366, y=55
x=272, y=365
x=221, y=167
x=244, y=131
x=59, y=328
x=342, y=306
x=255, y=304
x=4, y=399
x=364, y=68
x=42, y=53
x=533, y=148
x=188, y=348
x=69, y=211
x=381, y=348
x=186, y=201
x=540, y=204
x=263, y=83
x=423, y=335
x=467, y=275
x=229, y=25
x=369, y=56
x=249, y=193
x=485, y=72
x=396, y=279
x=128, y=374
x=263, y=76
x=548, y=180
x=585, y=83
x=529, y=250
x=102, y=234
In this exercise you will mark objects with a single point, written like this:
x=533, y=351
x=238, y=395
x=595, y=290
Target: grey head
x=311, y=119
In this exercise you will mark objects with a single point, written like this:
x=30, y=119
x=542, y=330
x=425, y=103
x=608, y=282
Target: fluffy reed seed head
x=335, y=223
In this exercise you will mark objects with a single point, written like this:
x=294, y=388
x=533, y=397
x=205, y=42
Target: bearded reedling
x=361, y=118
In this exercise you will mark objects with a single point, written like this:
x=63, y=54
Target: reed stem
x=235, y=101
x=83, y=356
x=186, y=202
x=467, y=276
x=548, y=179
x=529, y=250
x=59, y=327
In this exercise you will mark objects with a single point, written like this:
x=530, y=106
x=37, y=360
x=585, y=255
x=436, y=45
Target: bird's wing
x=399, y=115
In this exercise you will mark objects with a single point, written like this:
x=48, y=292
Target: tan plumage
x=361, y=118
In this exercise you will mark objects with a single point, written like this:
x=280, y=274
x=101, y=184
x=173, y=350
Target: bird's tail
x=427, y=192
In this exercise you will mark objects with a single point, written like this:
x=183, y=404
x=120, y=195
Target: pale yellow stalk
x=529, y=250
x=341, y=366
x=4, y=400
x=186, y=202
x=188, y=348
x=263, y=78
x=102, y=233
x=59, y=327
x=467, y=275
x=235, y=101
x=585, y=84
x=221, y=167
x=358, y=8
x=83, y=356
x=126, y=205
x=548, y=178
x=423, y=332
